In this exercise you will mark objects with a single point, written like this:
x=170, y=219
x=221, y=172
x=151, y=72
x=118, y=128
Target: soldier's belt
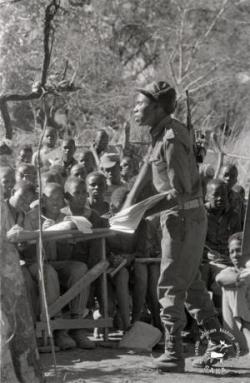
x=192, y=204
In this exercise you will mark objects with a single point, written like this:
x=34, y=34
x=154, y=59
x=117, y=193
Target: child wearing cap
x=235, y=283
x=110, y=165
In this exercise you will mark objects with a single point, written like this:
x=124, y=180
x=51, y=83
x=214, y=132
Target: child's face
x=50, y=138
x=21, y=200
x=88, y=161
x=78, y=171
x=68, y=150
x=77, y=196
x=96, y=187
x=235, y=252
x=113, y=174
x=53, y=201
x=7, y=182
x=25, y=156
x=229, y=176
x=217, y=196
x=24, y=173
x=126, y=167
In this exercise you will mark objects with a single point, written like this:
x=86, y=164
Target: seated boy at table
x=235, y=283
x=126, y=247
x=78, y=171
x=22, y=194
x=96, y=187
x=88, y=252
x=58, y=272
x=26, y=172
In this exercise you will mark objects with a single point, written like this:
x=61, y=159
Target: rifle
x=197, y=137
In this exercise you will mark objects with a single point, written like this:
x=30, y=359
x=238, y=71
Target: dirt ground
x=113, y=365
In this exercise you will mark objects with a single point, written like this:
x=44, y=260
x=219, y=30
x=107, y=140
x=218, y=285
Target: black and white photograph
x=125, y=191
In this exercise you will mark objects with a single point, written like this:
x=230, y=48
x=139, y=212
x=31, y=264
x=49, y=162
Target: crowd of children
x=95, y=185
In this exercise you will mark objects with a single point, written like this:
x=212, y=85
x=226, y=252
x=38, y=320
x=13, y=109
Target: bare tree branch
x=201, y=40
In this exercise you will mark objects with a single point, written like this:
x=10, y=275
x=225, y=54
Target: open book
x=127, y=220
x=71, y=222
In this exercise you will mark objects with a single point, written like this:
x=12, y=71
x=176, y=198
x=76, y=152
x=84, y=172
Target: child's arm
x=229, y=278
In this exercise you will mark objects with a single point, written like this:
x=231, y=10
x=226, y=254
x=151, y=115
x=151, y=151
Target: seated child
x=235, y=283
x=25, y=154
x=110, y=165
x=223, y=221
x=51, y=176
x=126, y=170
x=47, y=153
x=88, y=252
x=26, y=172
x=18, y=204
x=96, y=187
x=126, y=247
x=67, y=160
x=76, y=196
x=58, y=272
x=7, y=180
x=87, y=159
x=146, y=275
x=78, y=170
x=22, y=194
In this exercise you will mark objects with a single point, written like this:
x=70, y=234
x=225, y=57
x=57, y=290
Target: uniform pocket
x=174, y=223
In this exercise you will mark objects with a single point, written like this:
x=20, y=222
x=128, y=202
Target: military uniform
x=183, y=221
x=183, y=226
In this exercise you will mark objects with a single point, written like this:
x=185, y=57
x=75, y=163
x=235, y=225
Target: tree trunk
x=19, y=354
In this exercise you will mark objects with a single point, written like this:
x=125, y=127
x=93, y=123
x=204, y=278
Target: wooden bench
x=100, y=269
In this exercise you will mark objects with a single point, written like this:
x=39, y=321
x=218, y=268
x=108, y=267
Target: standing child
x=47, y=153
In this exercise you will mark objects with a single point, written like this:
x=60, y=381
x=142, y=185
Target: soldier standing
x=172, y=167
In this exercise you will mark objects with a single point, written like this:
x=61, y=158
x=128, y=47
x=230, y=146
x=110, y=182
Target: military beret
x=162, y=93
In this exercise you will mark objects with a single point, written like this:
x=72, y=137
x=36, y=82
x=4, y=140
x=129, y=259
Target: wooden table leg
x=104, y=289
x=41, y=297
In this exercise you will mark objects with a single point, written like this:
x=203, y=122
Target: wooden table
x=99, y=269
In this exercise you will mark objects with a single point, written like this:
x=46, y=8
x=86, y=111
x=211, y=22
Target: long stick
x=45, y=311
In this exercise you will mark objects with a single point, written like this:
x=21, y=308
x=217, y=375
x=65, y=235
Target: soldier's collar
x=158, y=129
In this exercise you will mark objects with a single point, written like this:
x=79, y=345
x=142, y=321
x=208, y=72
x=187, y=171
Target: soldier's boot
x=172, y=360
x=212, y=332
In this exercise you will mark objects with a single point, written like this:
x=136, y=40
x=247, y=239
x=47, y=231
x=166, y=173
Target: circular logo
x=224, y=347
